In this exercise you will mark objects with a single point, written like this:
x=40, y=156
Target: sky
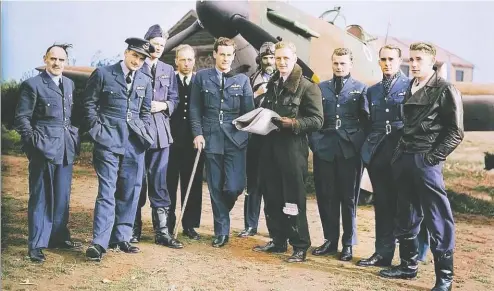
x=29, y=27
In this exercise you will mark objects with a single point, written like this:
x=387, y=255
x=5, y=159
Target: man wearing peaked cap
x=141, y=46
x=164, y=101
x=117, y=113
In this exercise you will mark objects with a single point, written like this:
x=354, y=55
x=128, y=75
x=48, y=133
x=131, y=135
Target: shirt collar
x=56, y=79
x=150, y=62
x=125, y=69
x=181, y=76
x=218, y=72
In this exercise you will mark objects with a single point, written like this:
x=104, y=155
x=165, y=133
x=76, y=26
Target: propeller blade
x=178, y=38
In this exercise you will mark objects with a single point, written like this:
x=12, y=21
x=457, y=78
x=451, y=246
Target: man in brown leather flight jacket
x=433, y=128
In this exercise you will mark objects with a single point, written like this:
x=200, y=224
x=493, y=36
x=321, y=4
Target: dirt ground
x=201, y=267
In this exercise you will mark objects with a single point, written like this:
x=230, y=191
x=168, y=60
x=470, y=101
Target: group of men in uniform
x=148, y=123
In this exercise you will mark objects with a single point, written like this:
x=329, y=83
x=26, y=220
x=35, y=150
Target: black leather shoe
x=375, y=260
x=168, y=241
x=220, y=241
x=37, y=256
x=271, y=247
x=249, y=231
x=68, y=245
x=327, y=248
x=191, y=233
x=399, y=272
x=297, y=256
x=95, y=253
x=346, y=254
x=125, y=247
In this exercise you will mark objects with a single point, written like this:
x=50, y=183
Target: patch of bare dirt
x=235, y=267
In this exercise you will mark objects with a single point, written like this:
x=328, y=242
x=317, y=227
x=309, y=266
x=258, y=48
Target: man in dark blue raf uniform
x=164, y=102
x=117, y=111
x=43, y=119
x=433, y=128
x=216, y=100
x=182, y=152
x=258, y=81
x=385, y=102
x=336, y=148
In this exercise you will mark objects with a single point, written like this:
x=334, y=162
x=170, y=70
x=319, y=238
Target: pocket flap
x=49, y=131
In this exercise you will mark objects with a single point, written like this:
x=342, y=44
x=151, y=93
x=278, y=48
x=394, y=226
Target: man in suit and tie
x=182, y=152
x=117, y=111
x=385, y=102
x=164, y=102
x=336, y=148
x=43, y=119
x=217, y=98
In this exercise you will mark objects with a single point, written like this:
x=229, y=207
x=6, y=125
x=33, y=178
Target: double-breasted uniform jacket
x=180, y=125
x=299, y=98
x=165, y=90
x=112, y=113
x=43, y=118
x=212, y=111
x=344, y=120
x=385, y=115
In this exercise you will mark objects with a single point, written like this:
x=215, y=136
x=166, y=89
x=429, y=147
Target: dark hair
x=223, y=41
x=63, y=46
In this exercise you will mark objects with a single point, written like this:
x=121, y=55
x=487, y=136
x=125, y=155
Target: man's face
x=421, y=63
x=342, y=65
x=185, y=61
x=224, y=57
x=133, y=60
x=55, y=60
x=389, y=61
x=159, y=45
x=285, y=60
x=268, y=64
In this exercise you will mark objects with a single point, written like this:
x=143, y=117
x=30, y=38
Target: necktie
x=280, y=84
x=185, y=81
x=223, y=76
x=60, y=85
x=153, y=71
x=128, y=79
x=339, y=84
x=153, y=74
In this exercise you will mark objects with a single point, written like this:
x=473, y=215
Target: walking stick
x=182, y=208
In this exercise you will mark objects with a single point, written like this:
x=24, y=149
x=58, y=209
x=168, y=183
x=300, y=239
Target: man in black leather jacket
x=433, y=128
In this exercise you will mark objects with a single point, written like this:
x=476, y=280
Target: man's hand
x=199, y=142
x=261, y=90
x=283, y=122
x=157, y=106
x=431, y=160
